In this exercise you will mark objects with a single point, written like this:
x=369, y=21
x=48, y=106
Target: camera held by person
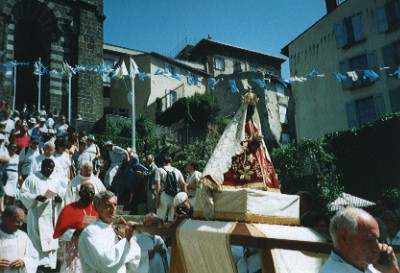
x=183, y=208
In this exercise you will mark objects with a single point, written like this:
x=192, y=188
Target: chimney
x=331, y=5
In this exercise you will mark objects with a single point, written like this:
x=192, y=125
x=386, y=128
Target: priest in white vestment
x=101, y=249
x=17, y=254
x=85, y=175
x=40, y=194
x=48, y=152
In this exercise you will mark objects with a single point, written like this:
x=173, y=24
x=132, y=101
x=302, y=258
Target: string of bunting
x=121, y=72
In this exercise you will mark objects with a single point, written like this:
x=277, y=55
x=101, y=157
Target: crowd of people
x=70, y=189
x=63, y=182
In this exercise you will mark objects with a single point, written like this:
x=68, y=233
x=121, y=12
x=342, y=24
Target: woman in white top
x=192, y=180
x=11, y=169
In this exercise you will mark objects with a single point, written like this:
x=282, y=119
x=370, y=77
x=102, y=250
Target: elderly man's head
x=48, y=149
x=152, y=220
x=105, y=203
x=86, y=169
x=355, y=235
x=12, y=219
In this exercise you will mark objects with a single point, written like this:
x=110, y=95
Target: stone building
x=354, y=35
x=147, y=91
x=54, y=31
x=243, y=66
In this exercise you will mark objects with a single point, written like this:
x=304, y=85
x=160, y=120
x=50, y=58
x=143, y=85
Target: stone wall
x=73, y=32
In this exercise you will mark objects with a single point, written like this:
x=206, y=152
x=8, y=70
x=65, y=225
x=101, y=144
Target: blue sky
x=164, y=26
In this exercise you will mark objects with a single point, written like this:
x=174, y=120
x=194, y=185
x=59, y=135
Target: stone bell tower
x=54, y=31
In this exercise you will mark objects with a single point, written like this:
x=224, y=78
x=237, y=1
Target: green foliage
x=199, y=109
x=120, y=133
x=199, y=152
x=368, y=157
x=321, y=180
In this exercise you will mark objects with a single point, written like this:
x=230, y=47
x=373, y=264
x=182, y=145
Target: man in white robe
x=17, y=252
x=100, y=248
x=40, y=194
x=85, y=174
x=155, y=255
x=48, y=151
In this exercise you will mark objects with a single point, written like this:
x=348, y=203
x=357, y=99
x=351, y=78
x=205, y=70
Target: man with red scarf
x=73, y=218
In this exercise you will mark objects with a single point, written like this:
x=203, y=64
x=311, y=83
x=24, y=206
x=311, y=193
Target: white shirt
x=336, y=264
x=116, y=155
x=61, y=130
x=100, y=250
x=163, y=174
x=27, y=159
x=65, y=162
x=193, y=178
x=90, y=153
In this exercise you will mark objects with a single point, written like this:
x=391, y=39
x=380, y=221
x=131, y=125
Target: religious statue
x=241, y=159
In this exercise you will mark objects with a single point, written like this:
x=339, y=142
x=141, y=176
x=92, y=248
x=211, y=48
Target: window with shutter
x=393, y=14
x=381, y=19
x=349, y=31
x=219, y=63
x=344, y=67
x=357, y=28
x=358, y=64
x=395, y=99
x=340, y=33
x=351, y=114
x=379, y=103
x=366, y=110
x=388, y=16
x=391, y=57
x=362, y=111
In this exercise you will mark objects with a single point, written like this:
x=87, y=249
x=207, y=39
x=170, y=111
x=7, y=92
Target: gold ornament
x=249, y=98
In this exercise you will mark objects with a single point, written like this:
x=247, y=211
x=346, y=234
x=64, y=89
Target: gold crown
x=249, y=98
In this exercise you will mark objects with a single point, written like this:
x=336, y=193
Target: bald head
x=355, y=235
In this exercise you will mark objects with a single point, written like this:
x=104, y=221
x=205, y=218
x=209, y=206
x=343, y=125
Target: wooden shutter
x=341, y=35
x=395, y=99
x=344, y=67
x=357, y=27
x=372, y=59
x=351, y=114
x=381, y=19
x=379, y=102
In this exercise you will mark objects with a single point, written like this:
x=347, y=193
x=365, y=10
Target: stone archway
x=35, y=29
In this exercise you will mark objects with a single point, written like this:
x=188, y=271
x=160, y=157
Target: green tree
x=307, y=165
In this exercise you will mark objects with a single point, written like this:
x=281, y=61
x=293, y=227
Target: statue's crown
x=249, y=98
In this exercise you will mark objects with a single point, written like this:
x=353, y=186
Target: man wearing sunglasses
x=40, y=194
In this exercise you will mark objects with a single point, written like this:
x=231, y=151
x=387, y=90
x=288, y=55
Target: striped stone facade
x=55, y=31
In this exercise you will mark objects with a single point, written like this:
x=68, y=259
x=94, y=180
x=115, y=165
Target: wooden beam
x=247, y=235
